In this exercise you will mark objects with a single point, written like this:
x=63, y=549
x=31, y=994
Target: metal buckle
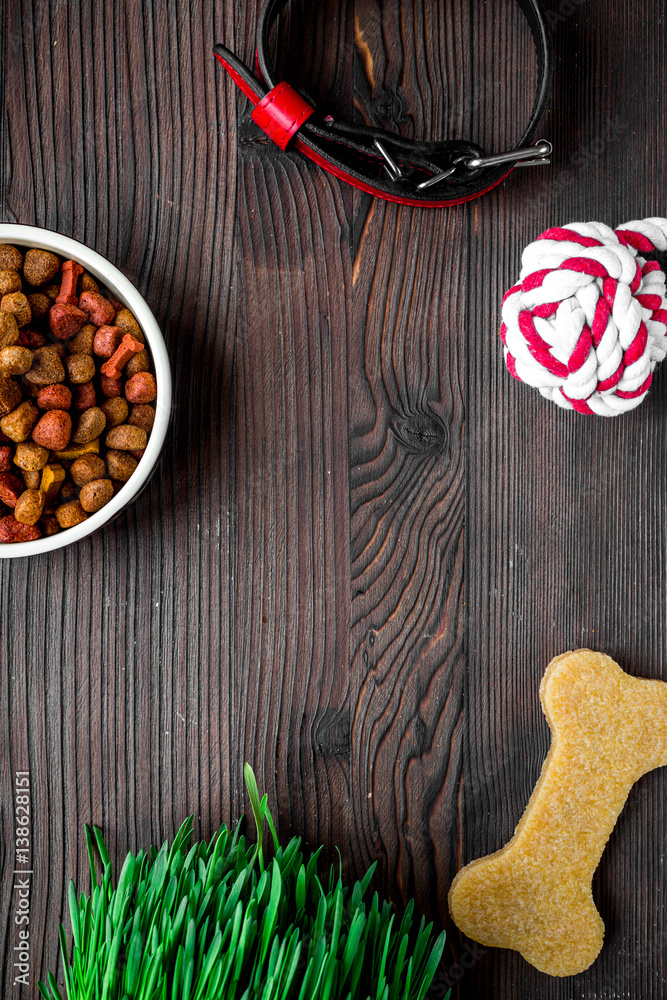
x=391, y=165
x=530, y=156
x=523, y=157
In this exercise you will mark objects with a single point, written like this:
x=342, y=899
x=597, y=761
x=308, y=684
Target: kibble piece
x=17, y=305
x=115, y=410
x=111, y=386
x=32, y=478
x=83, y=342
x=71, y=273
x=120, y=465
x=107, y=340
x=87, y=283
x=95, y=495
x=53, y=476
x=86, y=469
x=10, y=281
x=10, y=258
x=52, y=291
x=49, y=525
x=18, y=424
x=83, y=396
x=15, y=360
x=74, y=451
x=11, y=488
x=10, y=395
x=128, y=324
x=98, y=309
x=80, y=368
x=68, y=491
x=65, y=320
x=29, y=507
x=47, y=367
x=40, y=267
x=91, y=424
x=128, y=347
x=69, y=514
x=5, y=458
x=141, y=388
x=126, y=437
x=12, y=531
x=39, y=305
x=31, y=338
x=9, y=331
x=139, y=363
x=54, y=397
x=53, y=430
x=30, y=456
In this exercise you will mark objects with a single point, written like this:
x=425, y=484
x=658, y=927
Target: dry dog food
x=534, y=895
x=77, y=395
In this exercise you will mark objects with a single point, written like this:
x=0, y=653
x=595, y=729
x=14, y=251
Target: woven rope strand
x=586, y=324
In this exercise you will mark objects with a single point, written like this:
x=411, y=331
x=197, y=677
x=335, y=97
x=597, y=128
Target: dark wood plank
x=565, y=540
x=409, y=444
x=407, y=502
x=291, y=580
x=115, y=655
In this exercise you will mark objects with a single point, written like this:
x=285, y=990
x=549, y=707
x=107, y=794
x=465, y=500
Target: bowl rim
x=122, y=289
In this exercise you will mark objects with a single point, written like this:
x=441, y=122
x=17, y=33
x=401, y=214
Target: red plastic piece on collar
x=281, y=114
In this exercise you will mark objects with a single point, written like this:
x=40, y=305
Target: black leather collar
x=384, y=163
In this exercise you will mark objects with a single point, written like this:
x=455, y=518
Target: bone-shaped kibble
x=535, y=894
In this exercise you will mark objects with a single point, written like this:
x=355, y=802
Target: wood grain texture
x=116, y=117
x=561, y=556
x=364, y=541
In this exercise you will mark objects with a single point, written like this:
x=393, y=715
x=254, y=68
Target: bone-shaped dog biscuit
x=535, y=894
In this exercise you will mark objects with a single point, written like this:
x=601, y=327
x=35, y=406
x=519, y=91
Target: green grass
x=223, y=921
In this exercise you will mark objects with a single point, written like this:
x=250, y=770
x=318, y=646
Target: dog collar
x=382, y=163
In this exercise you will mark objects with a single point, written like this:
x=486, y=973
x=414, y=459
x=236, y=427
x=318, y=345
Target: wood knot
x=332, y=735
x=421, y=433
x=389, y=109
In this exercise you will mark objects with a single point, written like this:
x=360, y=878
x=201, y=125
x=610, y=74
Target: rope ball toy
x=587, y=322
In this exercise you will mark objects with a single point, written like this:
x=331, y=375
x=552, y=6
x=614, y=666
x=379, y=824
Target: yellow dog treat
x=73, y=451
x=535, y=894
x=53, y=476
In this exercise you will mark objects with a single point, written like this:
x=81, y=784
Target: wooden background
x=365, y=541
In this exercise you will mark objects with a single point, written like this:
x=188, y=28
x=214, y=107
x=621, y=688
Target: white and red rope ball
x=587, y=322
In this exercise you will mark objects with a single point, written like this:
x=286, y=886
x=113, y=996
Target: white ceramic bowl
x=121, y=289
